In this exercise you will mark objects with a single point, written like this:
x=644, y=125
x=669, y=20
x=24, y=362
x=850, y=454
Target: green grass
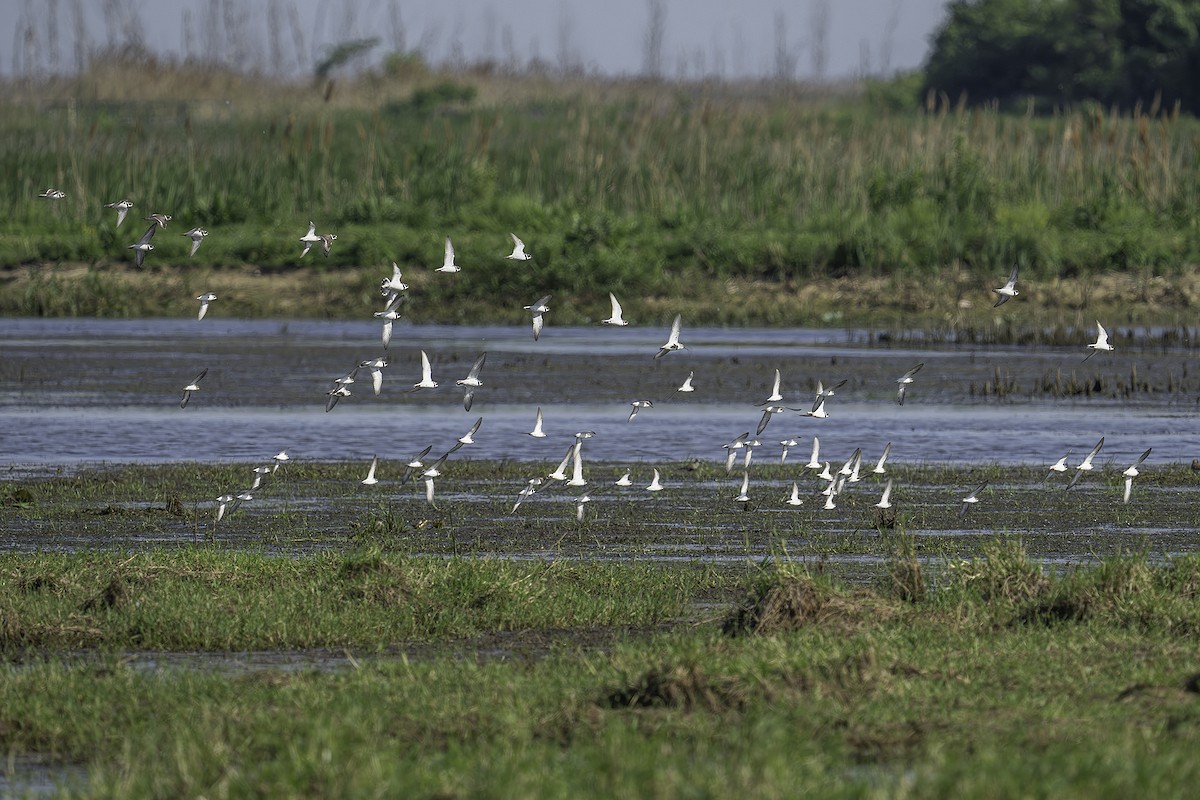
x=838, y=692
x=648, y=191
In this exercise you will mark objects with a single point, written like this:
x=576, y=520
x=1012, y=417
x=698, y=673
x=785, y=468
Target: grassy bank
x=657, y=191
x=1008, y=681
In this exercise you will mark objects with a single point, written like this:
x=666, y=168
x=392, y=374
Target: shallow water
x=85, y=391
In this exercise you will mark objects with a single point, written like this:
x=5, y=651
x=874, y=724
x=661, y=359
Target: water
x=76, y=392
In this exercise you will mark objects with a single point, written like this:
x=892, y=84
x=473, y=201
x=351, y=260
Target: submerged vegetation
x=649, y=189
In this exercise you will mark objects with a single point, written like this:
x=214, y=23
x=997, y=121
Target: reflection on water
x=81, y=391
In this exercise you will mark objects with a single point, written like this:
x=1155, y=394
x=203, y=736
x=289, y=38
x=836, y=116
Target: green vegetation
x=1007, y=680
x=719, y=194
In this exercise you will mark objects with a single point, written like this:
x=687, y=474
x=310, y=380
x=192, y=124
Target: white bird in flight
x=814, y=462
x=1007, y=290
x=744, y=491
x=448, y=264
x=794, y=498
x=204, y=299
x=518, y=253
x=309, y=239
x=427, y=381
x=638, y=405
x=197, y=236
x=972, y=498
x=615, y=318
x=1101, y=341
x=472, y=382
x=371, y=480
x=656, y=484
x=390, y=287
x=1086, y=464
x=375, y=366
x=122, y=207
x=467, y=438
x=415, y=463
x=537, y=309
x=879, y=468
x=686, y=386
x=194, y=386
x=624, y=480
x=904, y=380
x=389, y=315
x=885, y=499
x=775, y=395
x=537, y=432
x=143, y=246
x=1058, y=466
x=1132, y=472
x=672, y=340
x=577, y=471
x=53, y=194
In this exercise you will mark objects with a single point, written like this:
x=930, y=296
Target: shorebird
x=53, y=194
x=904, y=380
x=194, y=386
x=825, y=474
x=448, y=264
x=823, y=392
x=518, y=253
x=787, y=445
x=309, y=239
x=280, y=459
x=204, y=299
x=686, y=386
x=972, y=498
x=750, y=445
x=732, y=448
x=537, y=309
x=879, y=468
x=427, y=381
x=528, y=491
x=1086, y=464
x=744, y=491
x=1007, y=290
x=1058, y=466
x=467, y=438
x=371, y=480
x=327, y=240
x=584, y=435
x=160, y=220
x=560, y=472
x=1101, y=341
x=390, y=287
x=794, y=499
x=260, y=474
x=656, y=484
x=814, y=461
x=775, y=395
x=415, y=463
x=388, y=316
x=472, y=382
x=624, y=480
x=1132, y=472
x=197, y=236
x=434, y=470
x=143, y=246
x=577, y=459
x=375, y=366
x=848, y=468
x=122, y=207
x=615, y=318
x=638, y=405
x=336, y=393
x=222, y=502
x=537, y=432
x=818, y=409
x=579, y=503
x=768, y=412
x=672, y=340
x=885, y=500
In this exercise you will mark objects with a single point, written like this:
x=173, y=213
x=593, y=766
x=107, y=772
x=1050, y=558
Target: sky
x=700, y=37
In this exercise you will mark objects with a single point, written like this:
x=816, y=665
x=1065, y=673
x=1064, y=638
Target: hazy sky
x=701, y=37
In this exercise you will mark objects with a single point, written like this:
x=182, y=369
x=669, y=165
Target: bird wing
x=1142, y=457
x=426, y=369
x=616, y=306
x=476, y=367
x=537, y=326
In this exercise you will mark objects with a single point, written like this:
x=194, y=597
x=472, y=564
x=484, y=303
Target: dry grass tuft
x=795, y=603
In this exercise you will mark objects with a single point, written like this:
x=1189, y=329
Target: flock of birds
x=570, y=470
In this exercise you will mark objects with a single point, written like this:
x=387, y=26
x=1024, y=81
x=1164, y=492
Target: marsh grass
x=650, y=190
x=853, y=692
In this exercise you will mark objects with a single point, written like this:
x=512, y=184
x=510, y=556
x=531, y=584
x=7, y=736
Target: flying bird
x=197, y=236
x=160, y=220
x=655, y=484
x=472, y=382
x=1101, y=341
x=415, y=463
x=1007, y=290
x=309, y=239
x=194, y=386
x=672, y=340
x=775, y=395
x=390, y=287
x=904, y=380
x=768, y=412
x=615, y=318
x=204, y=299
x=879, y=468
x=1086, y=464
x=53, y=194
x=375, y=366
x=686, y=386
x=815, y=461
x=744, y=491
x=518, y=253
x=638, y=405
x=537, y=309
x=388, y=316
x=467, y=438
x=885, y=500
x=371, y=480
x=427, y=381
x=537, y=432
x=143, y=246
x=1132, y=472
x=1058, y=466
x=122, y=207
x=448, y=264
x=972, y=498
x=794, y=499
